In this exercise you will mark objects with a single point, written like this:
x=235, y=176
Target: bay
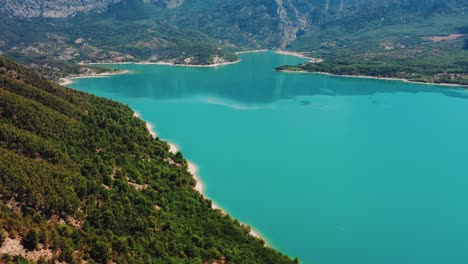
x=329, y=169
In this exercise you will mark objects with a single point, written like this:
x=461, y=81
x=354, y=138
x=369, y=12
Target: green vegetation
x=390, y=38
x=81, y=176
x=428, y=71
x=393, y=48
x=127, y=31
x=55, y=46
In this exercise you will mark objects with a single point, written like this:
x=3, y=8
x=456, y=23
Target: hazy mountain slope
x=202, y=31
x=277, y=23
x=96, y=186
x=54, y=9
x=431, y=49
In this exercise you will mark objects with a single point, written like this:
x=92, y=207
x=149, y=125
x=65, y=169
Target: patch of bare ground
x=13, y=247
x=14, y=205
x=138, y=187
x=172, y=162
x=76, y=223
x=444, y=38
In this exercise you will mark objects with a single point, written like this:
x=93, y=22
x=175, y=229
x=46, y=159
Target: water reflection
x=251, y=82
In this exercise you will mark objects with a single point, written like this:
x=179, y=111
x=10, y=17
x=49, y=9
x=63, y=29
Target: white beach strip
x=65, y=81
x=194, y=66
x=251, y=51
x=193, y=169
x=69, y=80
x=256, y=234
x=149, y=126
x=199, y=187
x=167, y=63
x=292, y=53
x=173, y=148
x=379, y=78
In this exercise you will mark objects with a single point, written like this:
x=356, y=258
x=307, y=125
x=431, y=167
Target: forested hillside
x=423, y=41
x=53, y=36
x=81, y=179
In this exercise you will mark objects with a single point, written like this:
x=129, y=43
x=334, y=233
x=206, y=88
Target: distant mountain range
x=193, y=32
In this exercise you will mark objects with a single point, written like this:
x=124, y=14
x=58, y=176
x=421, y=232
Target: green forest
x=430, y=48
x=82, y=177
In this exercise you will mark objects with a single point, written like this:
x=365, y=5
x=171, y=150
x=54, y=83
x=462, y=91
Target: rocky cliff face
x=235, y=23
x=171, y=4
x=52, y=9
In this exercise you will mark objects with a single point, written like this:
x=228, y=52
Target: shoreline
x=301, y=55
x=195, y=65
x=149, y=126
x=463, y=86
x=199, y=186
x=166, y=63
x=293, y=53
x=69, y=80
x=251, y=51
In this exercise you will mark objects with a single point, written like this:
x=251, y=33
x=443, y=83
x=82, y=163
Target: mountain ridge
x=205, y=32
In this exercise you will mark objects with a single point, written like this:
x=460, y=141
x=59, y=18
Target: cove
x=329, y=169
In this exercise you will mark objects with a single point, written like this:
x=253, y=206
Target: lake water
x=329, y=169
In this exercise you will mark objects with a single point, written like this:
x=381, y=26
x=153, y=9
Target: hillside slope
x=432, y=49
x=211, y=31
x=81, y=179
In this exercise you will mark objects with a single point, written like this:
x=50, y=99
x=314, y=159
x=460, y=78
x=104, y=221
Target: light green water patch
x=332, y=170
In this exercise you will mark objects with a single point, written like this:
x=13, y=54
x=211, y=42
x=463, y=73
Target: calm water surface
x=332, y=170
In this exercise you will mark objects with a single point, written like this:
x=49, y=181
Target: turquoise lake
x=329, y=169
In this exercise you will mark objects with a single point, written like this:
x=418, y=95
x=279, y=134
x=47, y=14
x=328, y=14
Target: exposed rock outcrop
x=173, y=3
x=287, y=29
x=52, y=9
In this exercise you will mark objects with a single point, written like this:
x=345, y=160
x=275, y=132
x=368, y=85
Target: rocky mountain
x=170, y=4
x=276, y=24
x=52, y=9
x=259, y=23
x=197, y=31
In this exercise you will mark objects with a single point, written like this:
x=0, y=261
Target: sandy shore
x=149, y=126
x=302, y=55
x=194, y=66
x=166, y=63
x=69, y=80
x=193, y=170
x=173, y=148
x=382, y=78
x=293, y=53
x=251, y=51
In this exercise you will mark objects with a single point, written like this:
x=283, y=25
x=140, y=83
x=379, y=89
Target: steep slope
x=422, y=41
x=81, y=179
x=202, y=31
x=53, y=9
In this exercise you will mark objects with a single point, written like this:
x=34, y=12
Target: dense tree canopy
x=81, y=176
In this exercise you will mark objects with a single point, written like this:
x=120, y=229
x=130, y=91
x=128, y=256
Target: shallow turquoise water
x=332, y=170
